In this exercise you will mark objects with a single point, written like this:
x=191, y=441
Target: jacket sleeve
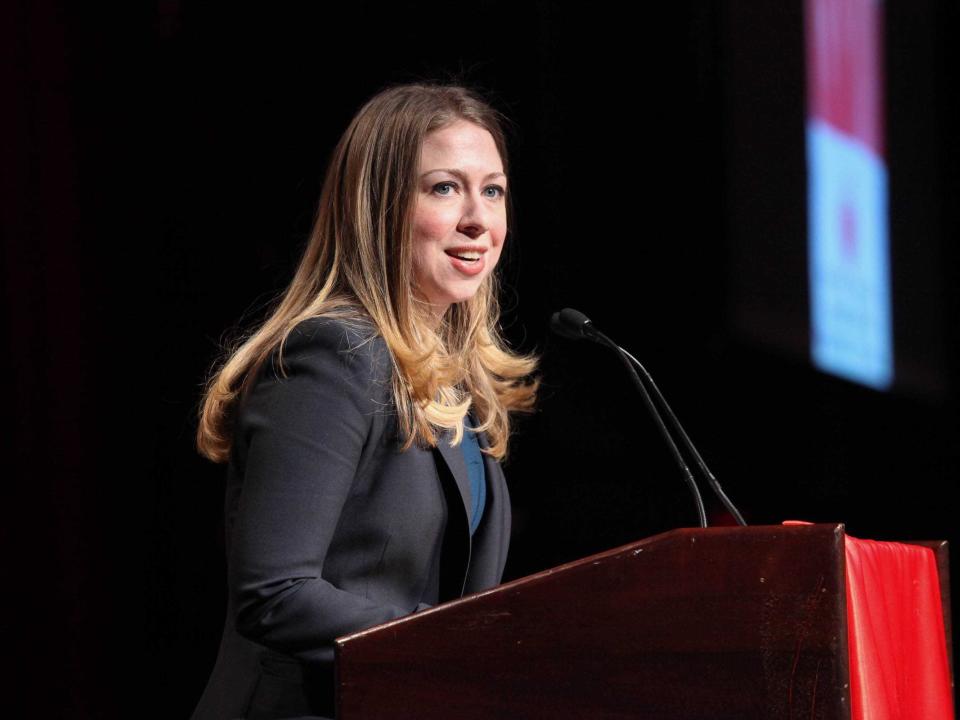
x=304, y=434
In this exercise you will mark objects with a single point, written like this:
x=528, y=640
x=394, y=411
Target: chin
x=453, y=295
x=463, y=297
x=460, y=295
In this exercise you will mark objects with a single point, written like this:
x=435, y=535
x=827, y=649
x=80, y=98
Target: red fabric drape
x=898, y=652
x=895, y=633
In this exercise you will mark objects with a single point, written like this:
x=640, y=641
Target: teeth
x=469, y=256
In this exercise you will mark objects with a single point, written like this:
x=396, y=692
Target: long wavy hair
x=358, y=265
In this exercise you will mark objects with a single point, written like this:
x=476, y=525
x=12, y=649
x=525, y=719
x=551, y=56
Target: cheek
x=431, y=225
x=421, y=260
x=424, y=240
x=498, y=230
x=499, y=239
x=495, y=256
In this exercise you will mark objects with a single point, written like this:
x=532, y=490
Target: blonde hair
x=358, y=265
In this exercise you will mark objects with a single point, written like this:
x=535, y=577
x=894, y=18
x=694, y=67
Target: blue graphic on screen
x=851, y=323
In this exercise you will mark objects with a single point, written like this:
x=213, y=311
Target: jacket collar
x=453, y=456
x=484, y=552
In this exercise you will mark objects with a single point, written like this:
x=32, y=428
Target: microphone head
x=571, y=324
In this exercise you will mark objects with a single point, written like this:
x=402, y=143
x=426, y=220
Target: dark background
x=161, y=166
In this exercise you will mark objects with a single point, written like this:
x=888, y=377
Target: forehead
x=461, y=143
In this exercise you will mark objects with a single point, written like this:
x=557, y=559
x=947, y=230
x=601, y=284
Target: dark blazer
x=330, y=529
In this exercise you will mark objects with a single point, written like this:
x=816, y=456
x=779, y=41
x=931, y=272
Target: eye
x=441, y=188
x=446, y=183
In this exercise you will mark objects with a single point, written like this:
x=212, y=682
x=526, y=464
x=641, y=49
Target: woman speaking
x=364, y=420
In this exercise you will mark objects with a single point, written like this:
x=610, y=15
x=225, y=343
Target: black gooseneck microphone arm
x=574, y=325
x=711, y=480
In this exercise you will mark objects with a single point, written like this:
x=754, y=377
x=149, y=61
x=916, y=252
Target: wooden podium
x=716, y=623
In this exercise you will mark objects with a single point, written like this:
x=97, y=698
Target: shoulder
x=328, y=373
x=351, y=348
x=342, y=334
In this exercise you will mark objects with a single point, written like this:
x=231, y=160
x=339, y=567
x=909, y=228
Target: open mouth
x=466, y=256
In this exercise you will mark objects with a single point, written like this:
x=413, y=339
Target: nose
x=474, y=218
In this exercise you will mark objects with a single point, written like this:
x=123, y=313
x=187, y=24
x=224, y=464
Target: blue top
x=478, y=477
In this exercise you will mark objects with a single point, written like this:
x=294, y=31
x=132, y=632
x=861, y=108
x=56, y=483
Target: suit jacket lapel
x=486, y=552
x=453, y=456
x=491, y=541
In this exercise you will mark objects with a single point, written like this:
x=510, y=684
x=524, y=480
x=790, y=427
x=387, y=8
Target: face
x=460, y=219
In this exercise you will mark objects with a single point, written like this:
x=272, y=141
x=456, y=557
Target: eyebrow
x=460, y=174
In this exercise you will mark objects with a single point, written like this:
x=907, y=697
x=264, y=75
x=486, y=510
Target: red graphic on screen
x=844, y=63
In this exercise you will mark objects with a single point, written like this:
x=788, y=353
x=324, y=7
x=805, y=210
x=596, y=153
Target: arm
x=305, y=434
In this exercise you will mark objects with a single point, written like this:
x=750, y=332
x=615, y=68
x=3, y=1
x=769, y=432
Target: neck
x=432, y=315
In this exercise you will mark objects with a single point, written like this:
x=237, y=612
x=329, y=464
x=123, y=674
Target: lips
x=468, y=253
x=467, y=260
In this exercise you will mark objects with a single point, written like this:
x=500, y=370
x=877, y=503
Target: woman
x=364, y=421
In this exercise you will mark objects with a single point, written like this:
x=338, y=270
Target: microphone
x=571, y=324
x=574, y=325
